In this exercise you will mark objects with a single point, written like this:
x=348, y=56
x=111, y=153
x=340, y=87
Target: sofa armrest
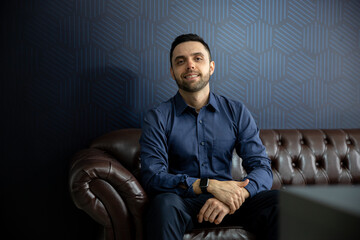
x=108, y=192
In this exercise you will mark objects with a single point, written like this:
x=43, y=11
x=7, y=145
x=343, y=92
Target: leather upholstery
x=103, y=178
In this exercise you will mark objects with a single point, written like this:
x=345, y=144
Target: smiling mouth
x=191, y=76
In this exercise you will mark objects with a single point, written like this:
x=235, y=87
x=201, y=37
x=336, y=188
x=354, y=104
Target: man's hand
x=213, y=211
x=232, y=193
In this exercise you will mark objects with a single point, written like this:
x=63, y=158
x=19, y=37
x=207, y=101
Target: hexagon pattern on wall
x=295, y=64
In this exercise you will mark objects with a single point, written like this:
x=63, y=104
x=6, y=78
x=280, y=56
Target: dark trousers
x=170, y=216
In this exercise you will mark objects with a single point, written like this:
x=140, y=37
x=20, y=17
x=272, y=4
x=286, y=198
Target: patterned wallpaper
x=76, y=69
x=295, y=64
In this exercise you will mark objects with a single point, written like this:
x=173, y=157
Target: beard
x=194, y=86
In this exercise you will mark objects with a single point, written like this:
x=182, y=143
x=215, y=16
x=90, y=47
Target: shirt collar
x=212, y=102
x=181, y=106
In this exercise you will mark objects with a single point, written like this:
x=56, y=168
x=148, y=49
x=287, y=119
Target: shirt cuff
x=251, y=188
x=189, y=181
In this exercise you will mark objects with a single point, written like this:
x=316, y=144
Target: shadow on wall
x=107, y=103
x=54, y=118
x=108, y=107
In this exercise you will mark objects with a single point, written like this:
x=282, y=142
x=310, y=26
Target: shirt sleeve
x=155, y=176
x=253, y=153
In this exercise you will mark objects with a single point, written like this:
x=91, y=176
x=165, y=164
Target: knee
x=167, y=217
x=271, y=197
x=168, y=210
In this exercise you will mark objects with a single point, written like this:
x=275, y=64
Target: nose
x=190, y=64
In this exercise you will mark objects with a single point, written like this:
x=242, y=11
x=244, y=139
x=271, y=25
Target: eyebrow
x=192, y=54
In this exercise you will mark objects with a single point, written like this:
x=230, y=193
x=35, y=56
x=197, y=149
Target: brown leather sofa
x=104, y=177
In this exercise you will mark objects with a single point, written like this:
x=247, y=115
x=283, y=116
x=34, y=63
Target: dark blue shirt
x=179, y=145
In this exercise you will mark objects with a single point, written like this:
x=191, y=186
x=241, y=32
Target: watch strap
x=204, y=183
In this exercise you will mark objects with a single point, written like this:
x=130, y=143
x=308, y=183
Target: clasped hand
x=229, y=196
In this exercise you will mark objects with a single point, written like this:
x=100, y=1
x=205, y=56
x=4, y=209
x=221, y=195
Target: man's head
x=191, y=65
x=187, y=38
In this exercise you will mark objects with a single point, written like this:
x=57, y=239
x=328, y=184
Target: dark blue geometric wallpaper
x=295, y=64
x=75, y=69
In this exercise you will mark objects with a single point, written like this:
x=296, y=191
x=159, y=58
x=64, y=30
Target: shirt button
x=202, y=143
x=200, y=121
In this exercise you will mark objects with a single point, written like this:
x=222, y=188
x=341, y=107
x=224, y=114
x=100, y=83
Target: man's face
x=191, y=66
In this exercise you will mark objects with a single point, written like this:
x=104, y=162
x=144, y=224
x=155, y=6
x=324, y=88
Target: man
x=186, y=152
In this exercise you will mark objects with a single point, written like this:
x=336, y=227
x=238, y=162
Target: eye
x=198, y=58
x=179, y=62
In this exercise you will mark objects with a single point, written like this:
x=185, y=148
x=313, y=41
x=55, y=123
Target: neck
x=196, y=99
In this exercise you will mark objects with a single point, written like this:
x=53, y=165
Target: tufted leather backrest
x=298, y=157
x=302, y=157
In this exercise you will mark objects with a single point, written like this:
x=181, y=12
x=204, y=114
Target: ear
x=172, y=73
x=212, y=67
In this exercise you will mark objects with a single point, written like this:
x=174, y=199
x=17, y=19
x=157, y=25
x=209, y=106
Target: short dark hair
x=186, y=38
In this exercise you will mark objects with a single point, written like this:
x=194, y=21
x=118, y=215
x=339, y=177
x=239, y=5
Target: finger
x=214, y=215
x=208, y=213
x=232, y=208
x=202, y=211
x=220, y=217
x=237, y=202
x=243, y=183
x=240, y=201
x=201, y=215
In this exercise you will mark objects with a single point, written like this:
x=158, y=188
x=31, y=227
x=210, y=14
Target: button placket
x=202, y=144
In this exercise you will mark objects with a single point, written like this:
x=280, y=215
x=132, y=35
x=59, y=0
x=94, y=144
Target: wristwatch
x=204, y=183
